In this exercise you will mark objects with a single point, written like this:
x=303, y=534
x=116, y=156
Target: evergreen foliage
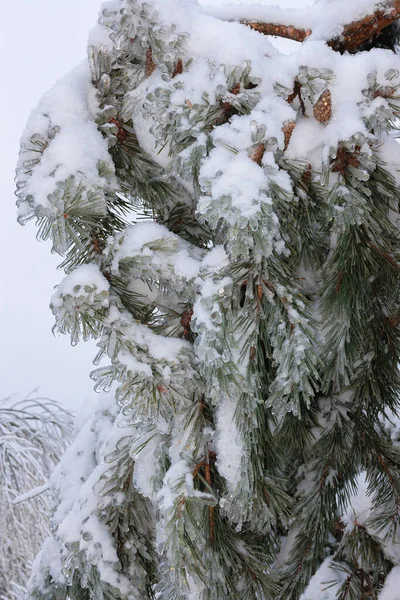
x=228, y=219
x=33, y=435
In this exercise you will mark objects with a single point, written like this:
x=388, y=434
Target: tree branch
x=353, y=35
x=284, y=31
x=358, y=32
x=32, y=493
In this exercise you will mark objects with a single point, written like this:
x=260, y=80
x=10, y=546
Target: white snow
x=359, y=506
x=391, y=589
x=325, y=18
x=170, y=348
x=228, y=443
x=76, y=147
x=175, y=255
x=145, y=462
x=84, y=276
x=216, y=259
x=320, y=587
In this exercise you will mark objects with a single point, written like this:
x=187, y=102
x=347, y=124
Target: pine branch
x=284, y=31
x=354, y=34
x=358, y=32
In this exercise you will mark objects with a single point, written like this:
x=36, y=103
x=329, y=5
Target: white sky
x=40, y=40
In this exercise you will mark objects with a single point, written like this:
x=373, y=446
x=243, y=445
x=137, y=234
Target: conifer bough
x=351, y=37
x=228, y=218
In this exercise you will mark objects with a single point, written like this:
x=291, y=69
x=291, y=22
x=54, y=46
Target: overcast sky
x=40, y=41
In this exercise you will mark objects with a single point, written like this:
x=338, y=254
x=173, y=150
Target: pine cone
x=344, y=158
x=150, y=66
x=323, y=107
x=384, y=92
x=258, y=153
x=236, y=89
x=288, y=129
x=186, y=318
x=178, y=69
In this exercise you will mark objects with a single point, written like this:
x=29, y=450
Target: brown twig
x=284, y=31
x=297, y=94
x=385, y=255
x=96, y=246
x=325, y=473
x=198, y=468
x=207, y=470
x=181, y=505
x=205, y=465
x=386, y=469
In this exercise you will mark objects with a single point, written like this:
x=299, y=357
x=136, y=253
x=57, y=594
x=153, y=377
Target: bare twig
x=284, y=31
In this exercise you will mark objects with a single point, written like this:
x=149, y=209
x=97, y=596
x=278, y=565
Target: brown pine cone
x=323, y=107
x=257, y=154
x=150, y=66
x=288, y=129
x=186, y=318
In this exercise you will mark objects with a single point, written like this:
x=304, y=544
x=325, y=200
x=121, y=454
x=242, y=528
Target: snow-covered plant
x=229, y=222
x=33, y=435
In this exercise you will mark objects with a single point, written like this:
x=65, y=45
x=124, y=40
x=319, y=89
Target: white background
x=40, y=40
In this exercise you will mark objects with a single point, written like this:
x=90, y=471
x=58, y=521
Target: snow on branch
x=40, y=489
x=344, y=25
x=360, y=31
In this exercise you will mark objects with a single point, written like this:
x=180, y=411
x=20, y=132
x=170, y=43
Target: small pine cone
x=343, y=159
x=150, y=66
x=323, y=107
x=288, y=129
x=258, y=154
x=307, y=175
x=226, y=106
x=384, y=92
x=186, y=318
x=178, y=69
x=236, y=89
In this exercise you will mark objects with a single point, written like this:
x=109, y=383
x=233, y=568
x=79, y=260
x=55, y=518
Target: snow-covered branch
x=33, y=435
x=345, y=26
